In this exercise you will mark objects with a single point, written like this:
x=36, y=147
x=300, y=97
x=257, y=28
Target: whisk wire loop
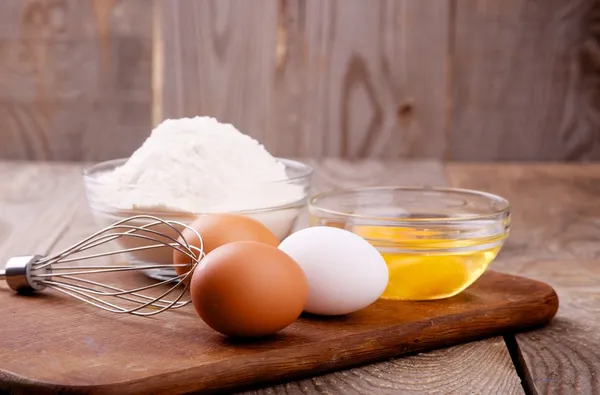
x=98, y=238
x=27, y=274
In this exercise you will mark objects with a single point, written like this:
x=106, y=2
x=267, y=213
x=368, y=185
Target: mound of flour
x=198, y=165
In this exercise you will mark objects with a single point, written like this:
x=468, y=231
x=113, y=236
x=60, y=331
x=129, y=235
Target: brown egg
x=219, y=229
x=248, y=289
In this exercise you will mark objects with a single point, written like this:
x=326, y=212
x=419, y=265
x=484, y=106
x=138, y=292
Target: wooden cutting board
x=51, y=343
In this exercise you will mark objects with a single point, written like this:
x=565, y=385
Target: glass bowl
x=435, y=241
x=279, y=218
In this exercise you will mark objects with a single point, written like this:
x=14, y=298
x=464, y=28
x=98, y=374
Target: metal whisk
x=26, y=274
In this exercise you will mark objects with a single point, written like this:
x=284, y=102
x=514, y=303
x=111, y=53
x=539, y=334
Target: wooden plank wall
x=446, y=79
x=521, y=89
x=75, y=78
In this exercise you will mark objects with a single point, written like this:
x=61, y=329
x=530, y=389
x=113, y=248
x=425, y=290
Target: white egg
x=345, y=273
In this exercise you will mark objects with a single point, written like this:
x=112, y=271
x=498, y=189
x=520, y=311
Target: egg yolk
x=417, y=271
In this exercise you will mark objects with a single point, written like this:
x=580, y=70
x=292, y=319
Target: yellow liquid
x=429, y=274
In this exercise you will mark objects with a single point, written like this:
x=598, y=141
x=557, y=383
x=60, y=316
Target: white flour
x=198, y=165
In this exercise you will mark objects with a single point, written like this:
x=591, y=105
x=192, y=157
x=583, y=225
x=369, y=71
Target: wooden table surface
x=555, y=238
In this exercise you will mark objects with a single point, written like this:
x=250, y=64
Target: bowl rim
x=307, y=171
x=180, y=215
x=506, y=209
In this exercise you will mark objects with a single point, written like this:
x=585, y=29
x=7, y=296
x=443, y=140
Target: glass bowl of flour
x=193, y=166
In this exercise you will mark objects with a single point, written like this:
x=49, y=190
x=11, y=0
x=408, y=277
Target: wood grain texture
x=130, y=363
x=37, y=202
x=455, y=79
x=555, y=238
x=312, y=78
x=435, y=372
x=483, y=365
x=75, y=78
x=525, y=81
x=335, y=173
x=461, y=80
x=218, y=58
x=358, y=79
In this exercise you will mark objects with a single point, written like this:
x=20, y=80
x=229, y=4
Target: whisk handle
x=18, y=274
